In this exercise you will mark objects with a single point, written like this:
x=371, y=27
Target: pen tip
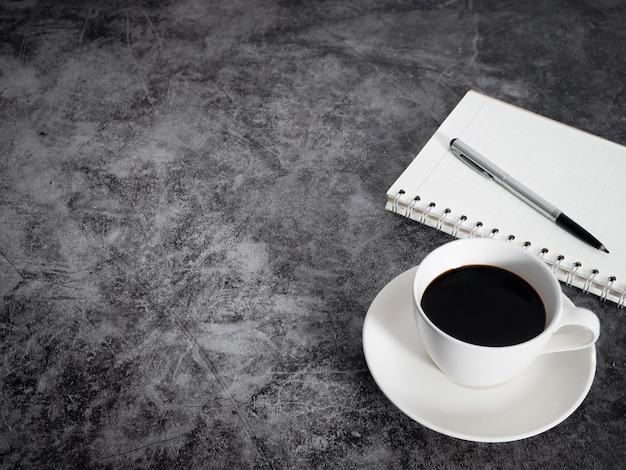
x=602, y=248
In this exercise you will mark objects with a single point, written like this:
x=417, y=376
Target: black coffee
x=484, y=305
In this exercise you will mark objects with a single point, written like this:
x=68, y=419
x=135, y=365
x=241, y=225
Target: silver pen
x=481, y=165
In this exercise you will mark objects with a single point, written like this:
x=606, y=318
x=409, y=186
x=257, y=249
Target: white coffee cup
x=566, y=328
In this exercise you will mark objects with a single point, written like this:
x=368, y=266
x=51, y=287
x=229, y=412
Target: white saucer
x=536, y=400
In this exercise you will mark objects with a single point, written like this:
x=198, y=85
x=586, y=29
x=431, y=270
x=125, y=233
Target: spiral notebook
x=581, y=174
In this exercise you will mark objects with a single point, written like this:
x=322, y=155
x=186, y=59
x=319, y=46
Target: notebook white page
x=581, y=174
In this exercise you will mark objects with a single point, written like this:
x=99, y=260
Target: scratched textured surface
x=192, y=223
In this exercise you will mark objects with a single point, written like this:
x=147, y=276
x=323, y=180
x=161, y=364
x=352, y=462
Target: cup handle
x=578, y=329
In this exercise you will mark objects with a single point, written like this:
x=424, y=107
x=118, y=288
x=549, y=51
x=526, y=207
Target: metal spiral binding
x=397, y=199
x=590, y=278
x=442, y=218
x=475, y=229
x=607, y=287
x=426, y=212
x=557, y=265
x=457, y=225
x=410, y=207
x=572, y=273
x=557, y=262
x=622, y=299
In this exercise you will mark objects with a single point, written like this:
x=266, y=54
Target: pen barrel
x=529, y=197
x=488, y=169
x=491, y=171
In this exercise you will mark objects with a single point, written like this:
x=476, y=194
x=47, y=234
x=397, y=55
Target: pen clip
x=473, y=165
